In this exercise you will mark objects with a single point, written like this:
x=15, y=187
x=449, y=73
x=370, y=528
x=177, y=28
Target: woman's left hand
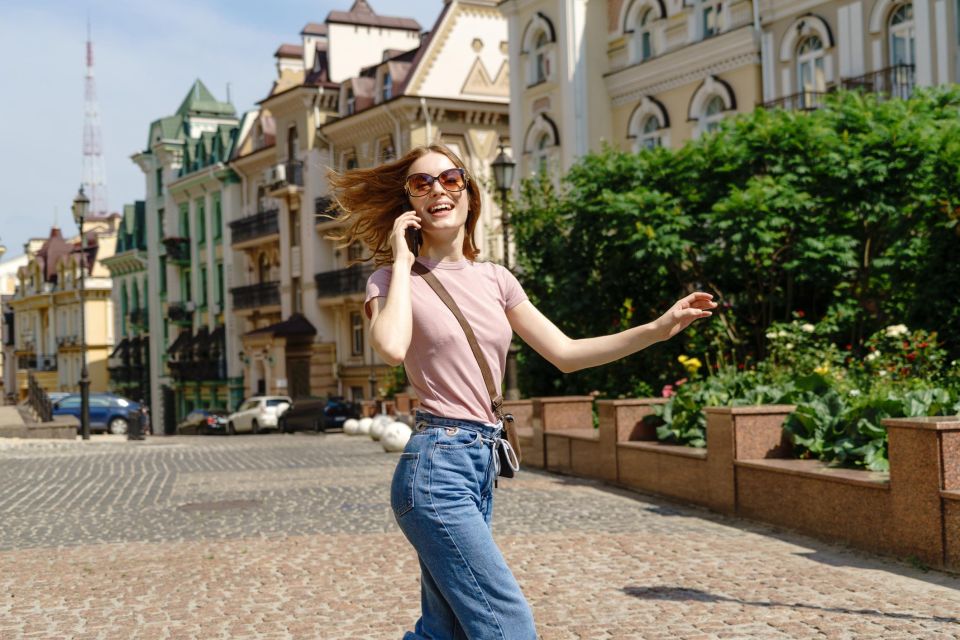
x=695, y=306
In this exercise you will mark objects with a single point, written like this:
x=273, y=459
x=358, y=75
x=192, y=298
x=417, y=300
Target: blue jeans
x=442, y=498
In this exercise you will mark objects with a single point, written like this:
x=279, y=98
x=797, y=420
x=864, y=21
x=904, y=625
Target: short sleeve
x=378, y=284
x=513, y=293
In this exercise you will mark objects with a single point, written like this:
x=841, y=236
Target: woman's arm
x=568, y=355
x=391, y=318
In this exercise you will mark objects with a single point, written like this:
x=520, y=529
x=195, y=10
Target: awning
x=182, y=343
x=296, y=325
x=120, y=351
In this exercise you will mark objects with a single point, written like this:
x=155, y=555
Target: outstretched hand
x=681, y=315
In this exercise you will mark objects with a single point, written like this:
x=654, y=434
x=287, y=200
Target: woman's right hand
x=398, y=241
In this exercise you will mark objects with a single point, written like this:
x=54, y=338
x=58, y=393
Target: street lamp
x=81, y=205
x=503, y=169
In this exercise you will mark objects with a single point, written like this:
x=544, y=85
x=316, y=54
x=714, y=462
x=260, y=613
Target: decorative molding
x=802, y=28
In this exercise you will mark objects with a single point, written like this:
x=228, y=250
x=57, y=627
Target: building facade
x=643, y=73
x=188, y=186
x=359, y=89
x=48, y=305
x=8, y=286
x=129, y=362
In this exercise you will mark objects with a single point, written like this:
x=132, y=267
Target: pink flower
x=681, y=382
x=667, y=391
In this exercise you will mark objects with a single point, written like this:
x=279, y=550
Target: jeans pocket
x=401, y=489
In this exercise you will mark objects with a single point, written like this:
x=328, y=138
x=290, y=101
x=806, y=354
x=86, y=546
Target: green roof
x=200, y=101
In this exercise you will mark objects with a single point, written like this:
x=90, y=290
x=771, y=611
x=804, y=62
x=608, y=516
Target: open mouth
x=440, y=208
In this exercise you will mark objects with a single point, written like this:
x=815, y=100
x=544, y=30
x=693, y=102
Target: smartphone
x=414, y=240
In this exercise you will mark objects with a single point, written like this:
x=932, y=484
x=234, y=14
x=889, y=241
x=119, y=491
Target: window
x=710, y=17
x=643, y=37
x=186, y=286
x=356, y=330
x=159, y=185
x=293, y=143
x=903, y=36
x=542, y=154
x=124, y=310
x=296, y=293
x=811, y=75
x=163, y=275
x=203, y=286
x=355, y=251
x=351, y=102
x=351, y=162
x=263, y=268
x=261, y=198
x=712, y=114
x=541, y=59
x=387, y=91
x=161, y=224
x=649, y=133
x=220, y=286
x=217, y=217
x=201, y=227
x=184, y=231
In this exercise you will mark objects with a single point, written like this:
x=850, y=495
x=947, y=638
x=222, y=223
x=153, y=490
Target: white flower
x=854, y=392
x=771, y=335
x=809, y=328
x=873, y=355
x=782, y=334
x=896, y=330
x=882, y=372
x=789, y=345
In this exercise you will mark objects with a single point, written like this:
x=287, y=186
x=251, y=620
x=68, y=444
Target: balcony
x=897, y=82
x=263, y=223
x=805, y=101
x=353, y=279
x=180, y=313
x=256, y=295
x=288, y=174
x=38, y=362
x=66, y=341
x=178, y=251
x=138, y=318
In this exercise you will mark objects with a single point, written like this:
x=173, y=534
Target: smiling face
x=439, y=209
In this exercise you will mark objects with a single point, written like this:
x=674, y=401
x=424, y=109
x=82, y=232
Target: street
x=291, y=536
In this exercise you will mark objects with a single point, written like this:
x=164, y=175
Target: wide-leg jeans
x=442, y=498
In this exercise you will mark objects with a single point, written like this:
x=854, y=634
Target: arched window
x=541, y=61
x=649, y=125
x=644, y=36
x=541, y=154
x=541, y=145
x=903, y=36
x=649, y=133
x=811, y=69
x=712, y=114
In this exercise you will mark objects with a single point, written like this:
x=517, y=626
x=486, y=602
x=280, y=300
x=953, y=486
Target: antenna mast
x=94, y=173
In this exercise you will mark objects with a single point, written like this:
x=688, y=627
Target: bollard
x=135, y=430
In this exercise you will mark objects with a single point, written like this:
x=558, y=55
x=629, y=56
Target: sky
x=147, y=55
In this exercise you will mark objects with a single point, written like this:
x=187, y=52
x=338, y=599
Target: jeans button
x=452, y=431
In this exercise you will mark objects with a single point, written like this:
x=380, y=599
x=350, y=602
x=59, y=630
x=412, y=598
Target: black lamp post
x=503, y=169
x=81, y=204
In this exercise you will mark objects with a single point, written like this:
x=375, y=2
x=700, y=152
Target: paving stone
x=291, y=536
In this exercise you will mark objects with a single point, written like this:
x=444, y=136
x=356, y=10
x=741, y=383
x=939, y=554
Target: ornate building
x=188, y=187
x=642, y=73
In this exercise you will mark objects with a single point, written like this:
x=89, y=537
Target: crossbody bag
x=507, y=465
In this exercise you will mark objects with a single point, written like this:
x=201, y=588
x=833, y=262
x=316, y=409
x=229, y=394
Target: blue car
x=108, y=413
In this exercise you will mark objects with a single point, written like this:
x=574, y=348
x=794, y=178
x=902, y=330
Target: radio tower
x=94, y=174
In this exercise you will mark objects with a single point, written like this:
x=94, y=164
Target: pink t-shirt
x=440, y=365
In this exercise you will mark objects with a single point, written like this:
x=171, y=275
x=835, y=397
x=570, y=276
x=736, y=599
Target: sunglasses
x=420, y=184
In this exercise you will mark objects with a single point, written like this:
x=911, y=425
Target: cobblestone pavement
x=291, y=536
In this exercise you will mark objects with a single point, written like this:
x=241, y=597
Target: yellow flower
x=682, y=359
x=692, y=364
x=823, y=369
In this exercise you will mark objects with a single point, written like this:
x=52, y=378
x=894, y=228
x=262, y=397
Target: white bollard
x=380, y=422
x=364, y=429
x=351, y=426
x=395, y=436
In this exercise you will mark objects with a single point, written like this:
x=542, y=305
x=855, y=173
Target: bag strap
x=496, y=399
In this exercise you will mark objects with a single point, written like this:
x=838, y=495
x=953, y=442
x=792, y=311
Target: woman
x=442, y=489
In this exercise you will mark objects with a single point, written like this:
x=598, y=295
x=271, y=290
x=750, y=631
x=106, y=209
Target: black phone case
x=414, y=240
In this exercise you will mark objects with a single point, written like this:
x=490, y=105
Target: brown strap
x=496, y=399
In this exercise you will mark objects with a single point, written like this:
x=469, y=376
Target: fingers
x=406, y=220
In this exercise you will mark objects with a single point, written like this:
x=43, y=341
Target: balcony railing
x=138, y=317
x=258, y=225
x=65, y=341
x=198, y=371
x=295, y=173
x=179, y=313
x=353, y=279
x=256, y=295
x=178, y=250
x=897, y=81
x=805, y=101
x=38, y=362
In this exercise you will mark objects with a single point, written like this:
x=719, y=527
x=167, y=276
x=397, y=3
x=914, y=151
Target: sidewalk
x=292, y=537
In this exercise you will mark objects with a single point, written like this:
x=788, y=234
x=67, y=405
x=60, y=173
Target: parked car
x=318, y=414
x=56, y=396
x=203, y=422
x=258, y=413
x=108, y=412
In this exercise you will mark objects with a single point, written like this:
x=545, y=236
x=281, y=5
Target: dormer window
x=387, y=91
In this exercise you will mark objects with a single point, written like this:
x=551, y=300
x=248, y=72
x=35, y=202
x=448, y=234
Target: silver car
x=258, y=413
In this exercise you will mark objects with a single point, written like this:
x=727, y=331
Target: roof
x=289, y=51
x=362, y=13
x=314, y=29
x=296, y=325
x=199, y=101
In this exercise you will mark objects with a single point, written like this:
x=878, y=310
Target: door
x=99, y=412
x=298, y=377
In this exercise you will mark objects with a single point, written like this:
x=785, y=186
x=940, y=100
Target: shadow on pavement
x=681, y=594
